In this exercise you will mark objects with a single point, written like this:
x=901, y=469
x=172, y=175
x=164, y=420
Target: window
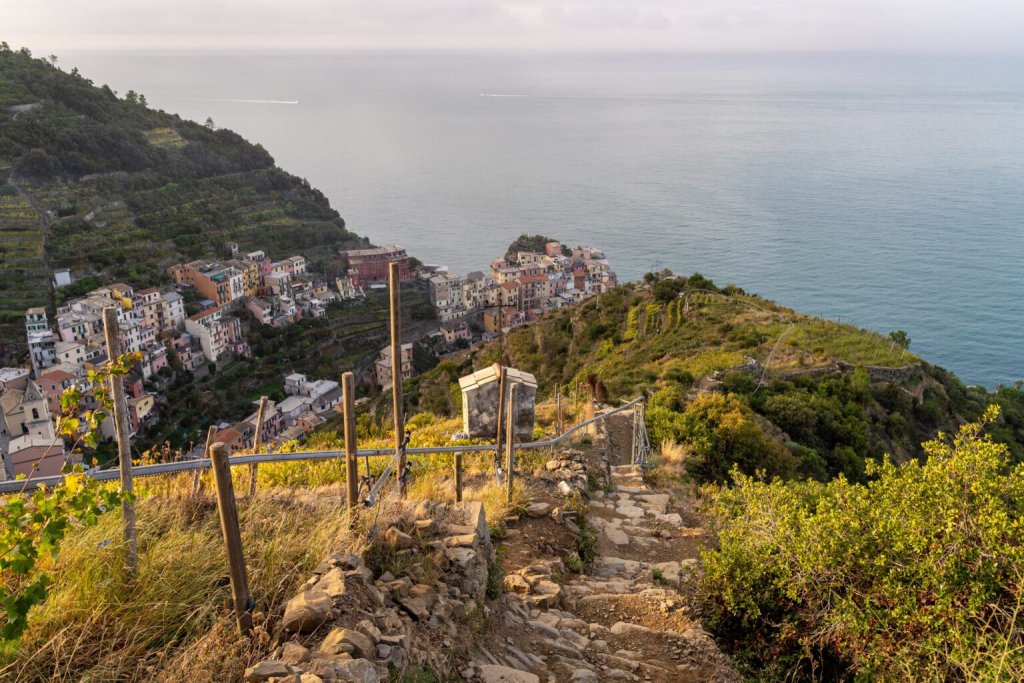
x=35, y=413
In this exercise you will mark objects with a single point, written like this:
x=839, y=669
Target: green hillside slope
x=106, y=186
x=823, y=395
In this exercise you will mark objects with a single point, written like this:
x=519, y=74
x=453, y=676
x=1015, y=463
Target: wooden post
x=124, y=453
x=256, y=440
x=395, y=287
x=348, y=397
x=632, y=448
x=510, y=437
x=210, y=434
x=458, y=477
x=228, y=511
x=558, y=410
x=500, y=436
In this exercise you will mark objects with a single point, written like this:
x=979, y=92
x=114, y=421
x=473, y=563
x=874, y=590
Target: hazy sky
x=680, y=25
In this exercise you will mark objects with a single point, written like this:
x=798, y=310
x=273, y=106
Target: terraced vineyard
x=24, y=278
x=115, y=191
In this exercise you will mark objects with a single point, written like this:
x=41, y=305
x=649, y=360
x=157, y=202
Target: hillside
x=823, y=396
x=106, y=186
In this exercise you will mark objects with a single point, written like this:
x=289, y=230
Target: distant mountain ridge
x=104, y=185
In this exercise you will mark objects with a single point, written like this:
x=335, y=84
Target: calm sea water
x=888, y=191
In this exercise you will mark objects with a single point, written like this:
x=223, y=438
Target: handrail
x=16, y=485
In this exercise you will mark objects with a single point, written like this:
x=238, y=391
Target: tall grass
x=99, y=625
x=173, y=622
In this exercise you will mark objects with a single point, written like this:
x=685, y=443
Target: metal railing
x=16, y=485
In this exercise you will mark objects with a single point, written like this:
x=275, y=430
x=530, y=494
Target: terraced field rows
x=24, y=279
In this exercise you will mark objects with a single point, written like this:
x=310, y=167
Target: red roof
x=56, y=376
x=203, y=314
x=229, y=436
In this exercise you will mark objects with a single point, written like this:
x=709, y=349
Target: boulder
x=621, y=628
x=495, y=673
x=333, y=582
x=416, y=607
x=293, y=653
x=425, y=593
x=264, y=671
x=358, y=643
x=515, y=583
x=631, y=511
x=357, y=671
x=461, y=557
x=669, y=572
x=461, y=541
x=538, y=509
x=370, y=630
x=306, y=611
x=346, y=561
x=658, y=502
x=616, y=536
x=399, y=540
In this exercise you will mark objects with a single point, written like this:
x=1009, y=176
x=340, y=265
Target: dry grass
x=673, y=458
x=671, y=463
x=98, y=625
x=174, y=621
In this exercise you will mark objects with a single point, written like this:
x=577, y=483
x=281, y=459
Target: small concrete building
x=480, y=402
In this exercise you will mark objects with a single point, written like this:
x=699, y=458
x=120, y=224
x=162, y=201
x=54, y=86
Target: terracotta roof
x=203, y=314
x=228, y=435
x=56, y=376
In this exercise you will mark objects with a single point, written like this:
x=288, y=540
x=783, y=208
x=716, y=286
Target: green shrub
x=721, y=433
x=916, y=575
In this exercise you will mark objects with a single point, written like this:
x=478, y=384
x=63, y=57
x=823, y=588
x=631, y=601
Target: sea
x=882, y=190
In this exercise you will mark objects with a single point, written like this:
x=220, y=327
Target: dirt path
x=628, y=618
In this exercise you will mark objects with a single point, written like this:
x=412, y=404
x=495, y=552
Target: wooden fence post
x=228, y=511
x=510, y=451
x=588, y=410
x=124, y=453
x=256, y=440
x=196, y=481
x=395, y=287
x=558, y=410
x=458, y=477
x=348, y=397
x=500, y=436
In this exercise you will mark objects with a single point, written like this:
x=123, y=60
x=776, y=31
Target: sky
x=595, y=25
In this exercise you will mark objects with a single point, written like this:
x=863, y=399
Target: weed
x=496, y=573
x=573, y=563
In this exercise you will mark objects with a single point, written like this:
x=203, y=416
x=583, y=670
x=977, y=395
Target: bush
x=720, y=433
x=915, y=575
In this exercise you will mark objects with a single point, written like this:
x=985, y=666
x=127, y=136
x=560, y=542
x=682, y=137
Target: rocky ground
x=441, y=600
